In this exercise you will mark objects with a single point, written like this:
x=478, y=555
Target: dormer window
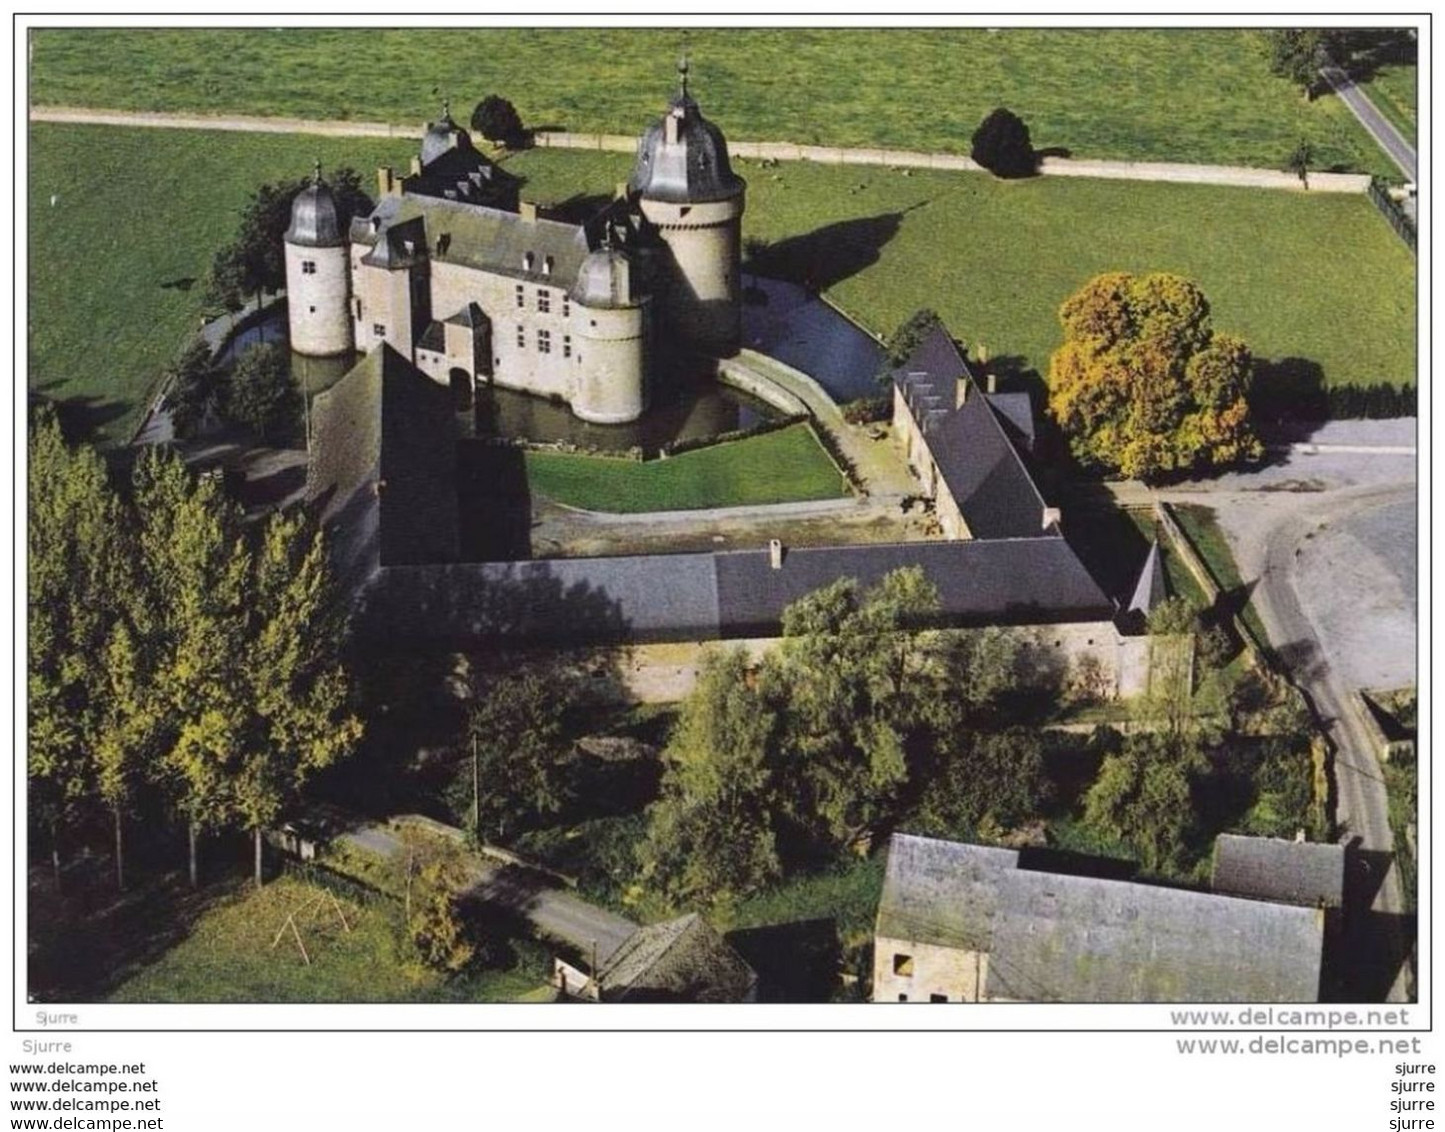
x=528, y=261
x=375, y=224
x=547, y=265
x=410, y=246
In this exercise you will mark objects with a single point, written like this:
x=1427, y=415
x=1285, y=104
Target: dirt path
x=1237, y=175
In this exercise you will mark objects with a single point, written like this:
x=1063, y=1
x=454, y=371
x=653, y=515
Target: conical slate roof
x=1151, y=588
x=683, y=158
x=315, y=221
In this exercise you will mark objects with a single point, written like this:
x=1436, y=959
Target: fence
x=1390, y=208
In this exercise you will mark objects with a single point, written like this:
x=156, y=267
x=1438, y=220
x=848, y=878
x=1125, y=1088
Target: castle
x=475, y=287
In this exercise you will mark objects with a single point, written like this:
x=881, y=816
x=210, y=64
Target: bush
x=496, y=119
x=867, y=410
x=1002, y=145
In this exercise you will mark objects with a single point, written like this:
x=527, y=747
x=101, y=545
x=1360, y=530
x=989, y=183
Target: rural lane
x=1396, y=148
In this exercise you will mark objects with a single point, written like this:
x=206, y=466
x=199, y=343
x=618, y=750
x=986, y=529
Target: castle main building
x=475, y=287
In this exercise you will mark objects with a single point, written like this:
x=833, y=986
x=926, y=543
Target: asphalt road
x=1400, y=151
x=1273, y=518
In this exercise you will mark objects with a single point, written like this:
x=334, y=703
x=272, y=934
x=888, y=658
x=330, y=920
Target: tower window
x=566, y=307
x=358, y=309
x=566, y=345
x=521, y=337
x=378, y=330
x=544, y=301
x=544, y=341
x=521, y=296
x=308, y=267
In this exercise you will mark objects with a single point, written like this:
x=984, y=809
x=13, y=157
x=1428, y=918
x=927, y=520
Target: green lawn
x=1316, y=279
x=1395, y=92
x=1159, y=94
x=227, y=957
x=116, y=289
x=1198, y=523
x=775, y=467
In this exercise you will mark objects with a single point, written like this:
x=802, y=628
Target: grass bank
x=776, y=467
x=1198, y=95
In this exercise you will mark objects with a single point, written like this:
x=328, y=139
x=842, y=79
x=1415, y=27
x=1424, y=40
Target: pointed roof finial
x=682, y=70
x=316, y=172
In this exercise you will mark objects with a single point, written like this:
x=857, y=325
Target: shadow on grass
x=826, y=256
x=1364, y=51
x=795, y=962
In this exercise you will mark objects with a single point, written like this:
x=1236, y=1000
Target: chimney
x=1052, y=516
x=386, y=181
x=775, y=553
x=961, y=392
x=992, y=380
x=416, y=166
x=528, y=211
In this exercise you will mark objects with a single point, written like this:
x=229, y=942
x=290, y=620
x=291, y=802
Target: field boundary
x=1239, y=176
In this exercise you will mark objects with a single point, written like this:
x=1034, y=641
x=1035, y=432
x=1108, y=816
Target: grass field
x=115, y=290
x=1160, y=94
x=776, y=467
x=1199, y=524
x=1316, y=278
x=227, y=957
x=1395, y=92
x=118, y=263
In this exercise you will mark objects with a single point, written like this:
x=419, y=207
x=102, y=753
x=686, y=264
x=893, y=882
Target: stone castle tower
x=686, y=189
x=318, y=279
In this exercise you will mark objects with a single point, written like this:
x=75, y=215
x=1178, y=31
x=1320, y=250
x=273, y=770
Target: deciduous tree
x=1143, y=385
x=1142, y=796
x=263, y=395
x=1002, y=145
x=496, y=119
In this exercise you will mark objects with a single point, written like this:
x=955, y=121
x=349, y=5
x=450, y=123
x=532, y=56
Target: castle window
x=903, y=966
x=544, y=301
x=528, y=260
x=521, y=296
x=566, y=307
x=521, y=337
x=566, y=345
x=378, y=330
x=544, y=341
x=308, y=267
x=547, y=265
x=358, y=309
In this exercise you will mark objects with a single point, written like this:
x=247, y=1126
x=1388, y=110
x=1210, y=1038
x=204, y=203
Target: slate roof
x=1290, y=872
x=1152, y=588
x=1016, y=411
x=682, y=960
x=384, y=465
x=486, y=239
x=1059, y=938
x=726, y=594
x=983, y=470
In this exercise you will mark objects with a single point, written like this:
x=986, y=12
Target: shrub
x=867, y=410
x=1002, y=145
x=496, y=119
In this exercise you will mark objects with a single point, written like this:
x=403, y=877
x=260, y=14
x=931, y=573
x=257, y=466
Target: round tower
x=608, y=379
x=687, y=190
x=318, y=279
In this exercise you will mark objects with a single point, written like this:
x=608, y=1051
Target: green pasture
x=776, y=467
x=1198, y=95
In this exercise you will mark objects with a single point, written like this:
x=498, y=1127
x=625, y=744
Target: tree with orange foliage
x=1143, y=385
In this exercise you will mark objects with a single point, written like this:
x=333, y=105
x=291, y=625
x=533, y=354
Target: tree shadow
x=578, y=208
x=81, y=418
x=826, y=256
x=184, y=283
x=1070, y=863
x=1053, y=151
x=1288, y=389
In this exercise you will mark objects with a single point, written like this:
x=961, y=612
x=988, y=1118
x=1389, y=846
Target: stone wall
x=909, y=971
x=320, y=325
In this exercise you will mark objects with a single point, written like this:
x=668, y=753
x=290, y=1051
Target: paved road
x=1400, y=151
x=527, y=893
x=1269, y=516
x=758, y=150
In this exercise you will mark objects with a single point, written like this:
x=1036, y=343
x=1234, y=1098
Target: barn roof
x=681, y=960
x=1291, y=872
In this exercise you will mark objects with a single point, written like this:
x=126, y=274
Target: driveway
x=1400, y=151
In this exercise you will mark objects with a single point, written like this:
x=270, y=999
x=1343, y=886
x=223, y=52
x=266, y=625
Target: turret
x=318, y=286
x=609, y=385
x=687, y=190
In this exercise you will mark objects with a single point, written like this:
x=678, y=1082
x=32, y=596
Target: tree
x=1143, y=385
x=1296, y=54
x=903, y=341
x=1002, y=145
x=1142, y=796
x=984, y=778
x=518, y=735
x=432, y=874
x=712, y=835
x=263, y=394
x=197, y=389
x=192, y=604
x=497, y=120
x=77, y=578
x=298, y=692
x=1300, y=161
